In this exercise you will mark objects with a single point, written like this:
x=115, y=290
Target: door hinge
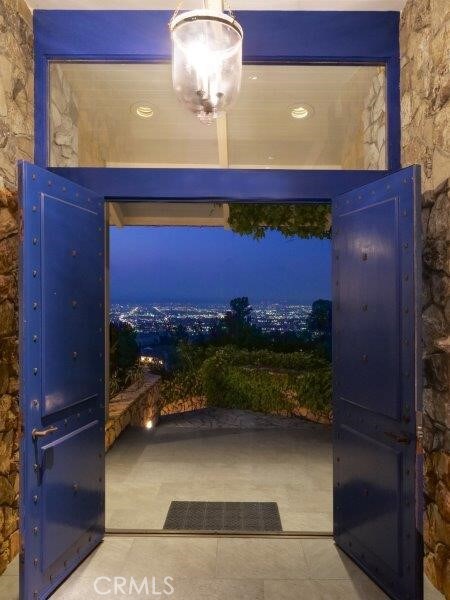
x=419, y=432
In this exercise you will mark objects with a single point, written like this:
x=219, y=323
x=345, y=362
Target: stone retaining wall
x=184, y=405
x=136, y=405
x=425, y=107
x=16, y=142
x=199, y=402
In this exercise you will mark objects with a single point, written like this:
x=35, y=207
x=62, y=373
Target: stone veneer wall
x=63, y=121
x=425, y=103
x=365, y=140
x=374, y=123
x=16, y=142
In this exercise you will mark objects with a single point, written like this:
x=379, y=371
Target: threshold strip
x=215, y=534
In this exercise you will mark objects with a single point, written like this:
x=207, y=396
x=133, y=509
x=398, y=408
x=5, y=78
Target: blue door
x=62, y=378
x=376, y=380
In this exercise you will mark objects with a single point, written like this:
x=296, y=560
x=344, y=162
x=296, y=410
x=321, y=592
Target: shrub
x=260, y=380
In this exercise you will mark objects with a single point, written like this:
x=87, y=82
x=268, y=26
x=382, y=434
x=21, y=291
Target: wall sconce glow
x=145, y=111
x=149, y=424
x=302, y=112
x=206, y=61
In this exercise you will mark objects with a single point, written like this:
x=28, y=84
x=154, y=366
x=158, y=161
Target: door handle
x=400, y=438
x=39, y=433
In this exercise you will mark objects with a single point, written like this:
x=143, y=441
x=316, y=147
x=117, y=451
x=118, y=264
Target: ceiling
x=396, y=5
x=258, y=131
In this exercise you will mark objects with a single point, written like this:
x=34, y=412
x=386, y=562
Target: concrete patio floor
x=221, y=455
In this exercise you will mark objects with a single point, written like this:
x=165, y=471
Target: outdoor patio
x=224, y=456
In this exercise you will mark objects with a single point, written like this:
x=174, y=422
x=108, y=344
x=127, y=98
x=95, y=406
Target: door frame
x=271, y=37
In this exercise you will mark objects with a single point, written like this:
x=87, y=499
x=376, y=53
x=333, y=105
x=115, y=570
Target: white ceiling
x=258, y=131
x=235, y=4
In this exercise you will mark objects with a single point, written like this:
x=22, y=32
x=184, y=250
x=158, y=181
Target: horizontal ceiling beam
x=262, y=185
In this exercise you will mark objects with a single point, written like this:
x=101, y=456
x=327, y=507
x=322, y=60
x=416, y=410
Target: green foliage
x=124, y=357
x=185, y=382
x=292, y=220
x=260, y=380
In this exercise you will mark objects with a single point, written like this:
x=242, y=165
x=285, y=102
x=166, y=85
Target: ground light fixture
x=206, y=61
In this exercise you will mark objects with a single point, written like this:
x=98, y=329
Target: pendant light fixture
x=206, y=59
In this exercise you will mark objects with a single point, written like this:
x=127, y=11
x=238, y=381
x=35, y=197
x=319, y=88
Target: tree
x=318, y=324
x=241, y=311
x=124, y=349
x=236, y=326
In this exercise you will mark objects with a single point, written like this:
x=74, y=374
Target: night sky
x=210, y=264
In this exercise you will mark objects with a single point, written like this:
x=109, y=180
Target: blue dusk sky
x=211, y=264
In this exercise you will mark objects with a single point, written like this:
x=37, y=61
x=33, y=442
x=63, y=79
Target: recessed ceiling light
x=143, y=110
x=302, y=112
x=253, y=77
x=270, y=157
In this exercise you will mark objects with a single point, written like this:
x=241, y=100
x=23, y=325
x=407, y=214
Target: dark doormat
x=223, y=516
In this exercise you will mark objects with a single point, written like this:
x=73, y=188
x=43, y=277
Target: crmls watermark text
x=127, y=586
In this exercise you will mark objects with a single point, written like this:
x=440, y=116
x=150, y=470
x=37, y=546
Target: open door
x=62, y=378
x=376, y=380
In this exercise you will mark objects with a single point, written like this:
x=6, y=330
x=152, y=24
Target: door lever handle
x=400, y=438
x=39, y=433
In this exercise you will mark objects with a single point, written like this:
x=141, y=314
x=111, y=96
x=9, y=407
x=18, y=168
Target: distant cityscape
x=165, y=317
x=156, y=323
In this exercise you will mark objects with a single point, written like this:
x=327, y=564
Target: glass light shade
x=206, y=61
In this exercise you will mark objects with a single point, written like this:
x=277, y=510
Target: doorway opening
x=220, y=369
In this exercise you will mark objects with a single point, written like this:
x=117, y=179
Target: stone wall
x=425, y=103
x=136, y=405
x=374, y=123
x=63, y=121
x=365, y=139
x=16, y=142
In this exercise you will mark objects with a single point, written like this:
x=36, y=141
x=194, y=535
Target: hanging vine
x=292, y=220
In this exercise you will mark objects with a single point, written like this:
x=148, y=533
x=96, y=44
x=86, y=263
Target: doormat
x=223, y=516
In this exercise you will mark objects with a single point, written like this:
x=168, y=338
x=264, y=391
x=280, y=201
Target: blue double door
x=376, y=379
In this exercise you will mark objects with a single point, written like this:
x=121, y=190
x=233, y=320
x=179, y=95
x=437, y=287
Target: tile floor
x=254, y=461
x=147, y=470
x=215, y=569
